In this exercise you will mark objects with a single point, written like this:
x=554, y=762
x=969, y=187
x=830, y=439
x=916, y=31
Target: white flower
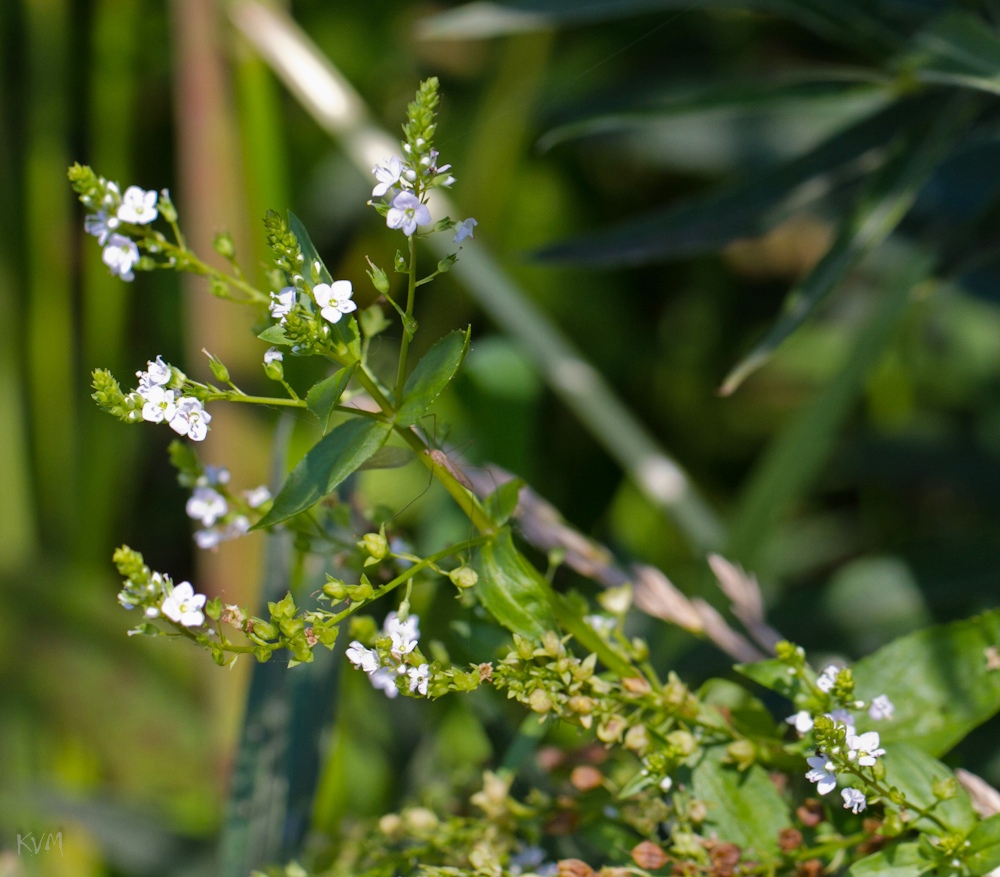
x=843, y=717
x=120, y=255
x=206, y=505
x=257, y=497
x=100, y=225
x=214, y=475
x=190, y=419
x=881, y=708
x=385, y=679
x=283, y=303
x=828, y=677
x=387, y=174
x=403, y=634
x=853, y=800
x=206, y=539
x=666, y=784
x=273, y=355
x=138, y=206
x=335, y=300
x=865, y=748
x=157, y=374
x=407, y=213
x=419, y=677
x=802, y=721
x=159, y=405
x=465, y=229
x=152, y=612
x=183, y=606
x=822, y=774
x=359, y=656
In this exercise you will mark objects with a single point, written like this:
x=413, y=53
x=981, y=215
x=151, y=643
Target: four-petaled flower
x=283, y=303
x=385, y=679
x=272, y=354
x=120, y=255
x=138, y=206
x=465, y=229
x=183, y=606
x=407, y=213
x=827, y=678
x=206, y=505
x=387, y=174
x=881, y=708
x=419, y=677
x=334, y=300
x=853, y=800
x=159, y=404
x=100, y=225
x=157, y=374
x=822, y=774
x=864, y=748
x=190, y=419
x=359, y=656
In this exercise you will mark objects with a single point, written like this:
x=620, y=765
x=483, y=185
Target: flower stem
x=411, y=289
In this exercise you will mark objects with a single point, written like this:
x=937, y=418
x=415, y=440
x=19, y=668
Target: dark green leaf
x=512, y=590
x=939, y=681
x=751, y=207
x=745, y=712
x=275, y=335
x=772, y=674
x=914, y=773
x=330, y=461
x=744, y=807
x=324, y=395
x=431, y=376
x=501, y=503
x=915, y=154
x=903, y=860
x=308, y=251
x=983, y=851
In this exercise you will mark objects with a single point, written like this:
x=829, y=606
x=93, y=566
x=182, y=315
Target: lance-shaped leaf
x=324, y=395
x=748, y=208
x=916, y=153
x=903, y=860
x=941, y=680
x=959, y=49
x=336, y=456
x=512, y=590
x=919, y=776
x=432, y=374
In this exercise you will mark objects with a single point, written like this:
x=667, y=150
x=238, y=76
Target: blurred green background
x=653, y=176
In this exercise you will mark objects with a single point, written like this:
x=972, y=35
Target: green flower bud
x=742, y=753
x=375, y=544
x=464, y=577
x=285, y=608
x=683, y=742
x=378, y=277
x=540, y=701
x=224, y=246
x=263, y=629
x=292, y=627
x=218, y=368
x=166, y=205
x=334, y=589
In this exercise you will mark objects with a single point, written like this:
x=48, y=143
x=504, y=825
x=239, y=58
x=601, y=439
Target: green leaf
x=958, y=49
x=983, y=852
x=902, y=860
x=570, y=615
x=916, y=152
x=432, y=374
x=275, y=335
x=390, y=458
x=745, y=712
x=744, y=807
x=512, y=590
x=915, y=773
x=308, y=251
x=939, y=681
x=772, y=674
x=501, y=503
x=329, y=462
x=324, y=395
x=751, y=207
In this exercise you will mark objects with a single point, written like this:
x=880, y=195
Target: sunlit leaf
x=511, y=589
x=338, y=454
x=902, y=860
x=324, y=395
x=432, y=374
x=983, y=852
x=915, y=774
x=746, y=713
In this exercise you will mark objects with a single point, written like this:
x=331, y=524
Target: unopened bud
x=375, y=544
x=464, y=577
x=539, y=701
x=223, y=245
x=218, y=368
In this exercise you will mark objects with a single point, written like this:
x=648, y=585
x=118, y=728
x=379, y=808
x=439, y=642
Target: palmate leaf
x=336, y=456
x=916, y=153
x=748, y=208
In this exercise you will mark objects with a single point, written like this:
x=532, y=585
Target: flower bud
x=464, y=577
x=611, y=729
x=334, y=589
x=378, y=277
x=540, y=701
x=166, y=206
x=224, y=246
x=219, y=370
x=375, y=544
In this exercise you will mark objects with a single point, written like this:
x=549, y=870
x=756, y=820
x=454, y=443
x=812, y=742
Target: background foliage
x=856, y=471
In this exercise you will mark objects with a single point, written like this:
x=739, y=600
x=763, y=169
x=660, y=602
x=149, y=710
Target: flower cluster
x=221, y=514
x=156, y=594
x=162, y=402
x=395, y=655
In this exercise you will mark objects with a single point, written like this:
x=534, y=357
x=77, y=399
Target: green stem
x=256, y=400
x=411, y=289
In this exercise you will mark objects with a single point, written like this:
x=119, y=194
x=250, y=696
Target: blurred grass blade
x=746, y=209
x=793, y=459
x=791, y=89
x=959, y=49
x=337, y=108
x=916, y=153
